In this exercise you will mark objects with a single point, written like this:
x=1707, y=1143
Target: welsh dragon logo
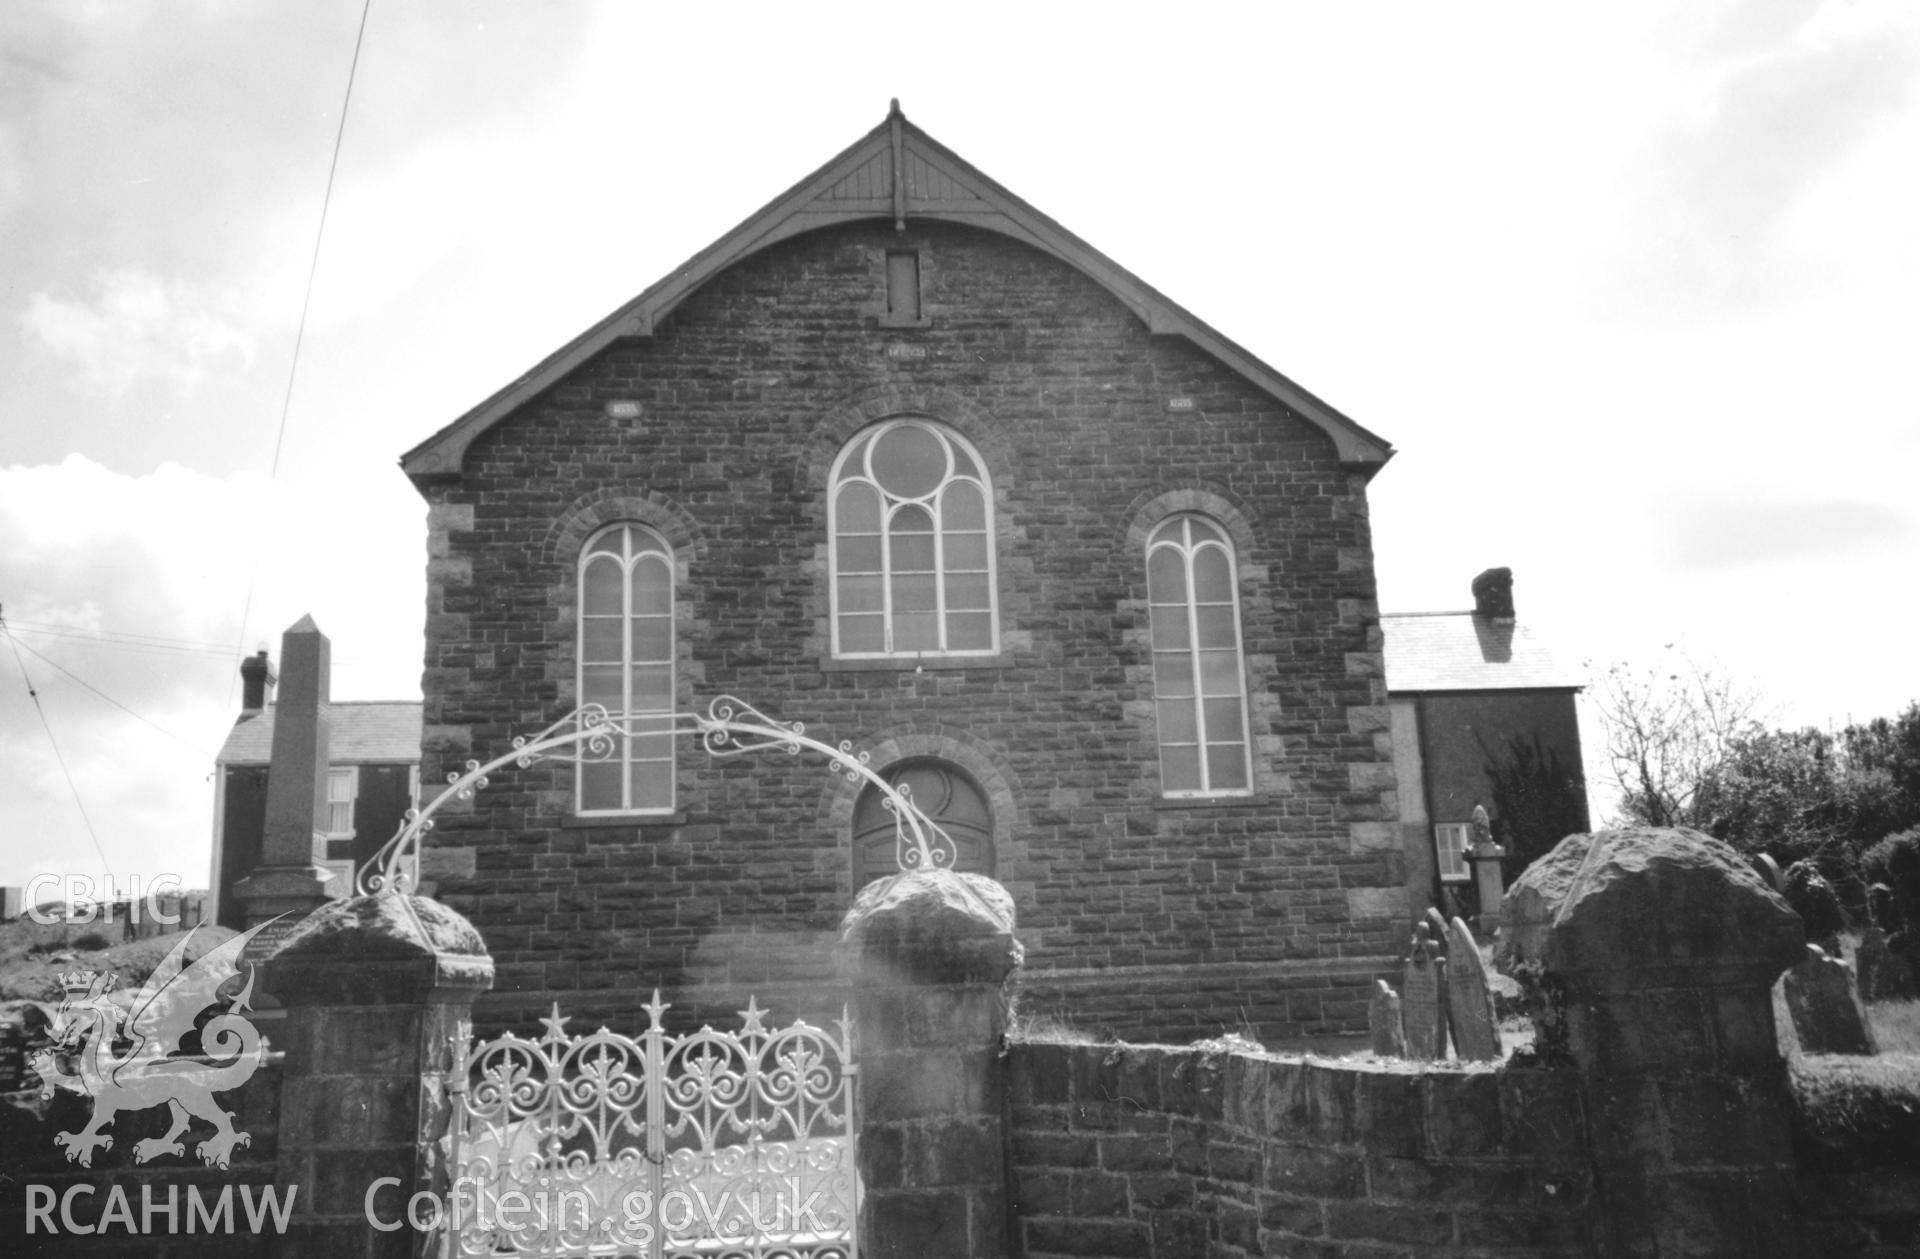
x=94, y=1020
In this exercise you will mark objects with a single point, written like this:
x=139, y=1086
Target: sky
x=1630, y=287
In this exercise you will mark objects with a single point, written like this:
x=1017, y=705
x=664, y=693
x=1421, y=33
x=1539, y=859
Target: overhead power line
x=102, y=694
x=54, y=743
x=126, y=642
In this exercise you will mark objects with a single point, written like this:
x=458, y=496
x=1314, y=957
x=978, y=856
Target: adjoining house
x=373, y=778
x=1483, y=715
x=904, y=459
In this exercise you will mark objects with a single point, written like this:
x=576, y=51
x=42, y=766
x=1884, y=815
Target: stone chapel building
x=904, y=459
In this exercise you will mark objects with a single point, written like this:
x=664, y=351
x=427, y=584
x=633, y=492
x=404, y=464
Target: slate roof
x=360, y=733
x=1460, y=651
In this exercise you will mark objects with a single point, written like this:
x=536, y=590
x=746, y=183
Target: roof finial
x=894, y=121
x=893, y=110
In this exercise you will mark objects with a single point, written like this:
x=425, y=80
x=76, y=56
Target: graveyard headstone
x=1384, y=1020
x=1883, y=974
x=1825, y=1005
x=1423, y=1001
x=1469, y=1003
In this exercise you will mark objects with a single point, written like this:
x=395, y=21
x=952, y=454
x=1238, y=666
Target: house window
x=342, y=786
x=626, y=666
x=1199, y=687
x=1452, y=840
x=912, y=545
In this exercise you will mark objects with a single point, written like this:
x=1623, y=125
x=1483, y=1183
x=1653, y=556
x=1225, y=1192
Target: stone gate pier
x=1657, y=951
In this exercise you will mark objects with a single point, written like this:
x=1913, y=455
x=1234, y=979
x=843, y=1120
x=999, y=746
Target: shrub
x=1895, y=861
x=1813, y=898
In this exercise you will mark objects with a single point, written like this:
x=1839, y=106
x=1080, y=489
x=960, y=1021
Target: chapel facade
x=903, y=459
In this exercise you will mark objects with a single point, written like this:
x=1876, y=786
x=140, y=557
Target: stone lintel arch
x=1146, y=512
x=837, y=426
x=591, y=512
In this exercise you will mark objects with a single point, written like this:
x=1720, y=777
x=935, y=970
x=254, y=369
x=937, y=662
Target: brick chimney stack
x=256, y=682
x=1493, y=595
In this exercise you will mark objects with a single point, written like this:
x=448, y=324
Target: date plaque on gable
x=897, y=350
x=1179, y=404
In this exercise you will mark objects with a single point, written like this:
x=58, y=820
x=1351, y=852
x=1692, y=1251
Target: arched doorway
x=944, y=793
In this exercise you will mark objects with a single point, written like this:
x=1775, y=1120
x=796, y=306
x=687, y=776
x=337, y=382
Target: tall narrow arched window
x=626, y=665
x=1199, y=686
x=912, y=545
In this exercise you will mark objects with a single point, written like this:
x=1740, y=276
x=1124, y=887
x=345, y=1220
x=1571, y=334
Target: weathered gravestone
x=1469, y=1004
x=1423, y=1000
x=1825, y=1006
x=1883, y=974
x=1385, y=1022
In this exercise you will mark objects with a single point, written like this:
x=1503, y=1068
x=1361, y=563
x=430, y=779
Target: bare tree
x=1669, y=728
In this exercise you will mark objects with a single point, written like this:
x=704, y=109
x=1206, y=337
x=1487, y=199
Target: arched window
x=1199, y=687
x=626, y=664
x=944, y=793
x=912, y=553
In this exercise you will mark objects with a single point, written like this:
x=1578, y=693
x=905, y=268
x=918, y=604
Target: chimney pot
x=1493, y=595
x=256, y=682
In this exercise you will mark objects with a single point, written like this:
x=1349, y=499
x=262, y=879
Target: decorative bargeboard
x=722, y=1145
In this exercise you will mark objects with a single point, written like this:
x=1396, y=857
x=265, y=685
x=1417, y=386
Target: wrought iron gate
x=721, y=1145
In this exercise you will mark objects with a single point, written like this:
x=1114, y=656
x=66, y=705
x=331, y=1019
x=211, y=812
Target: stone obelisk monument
x=289, y=879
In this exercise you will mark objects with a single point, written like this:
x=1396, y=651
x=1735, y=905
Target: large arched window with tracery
x=912, y=545
x=626, y=664
x=1199, y=684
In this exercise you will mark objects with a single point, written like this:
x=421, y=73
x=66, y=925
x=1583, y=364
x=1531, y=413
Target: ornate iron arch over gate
x=730, y=727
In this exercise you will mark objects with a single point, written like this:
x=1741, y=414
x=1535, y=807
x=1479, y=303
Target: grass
x=1896, y=1025
x=1046, y=1029
x=34, y=955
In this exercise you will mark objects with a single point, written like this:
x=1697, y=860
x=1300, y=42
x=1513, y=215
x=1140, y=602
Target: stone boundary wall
x=1859, y=1184
x=1148, y=1152
x=1151, y=1004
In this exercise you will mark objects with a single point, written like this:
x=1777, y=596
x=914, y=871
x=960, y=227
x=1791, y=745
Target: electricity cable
x=105, y=866
x=115, y=643
x=18, y=645
x=306, y=303
x=57, y=629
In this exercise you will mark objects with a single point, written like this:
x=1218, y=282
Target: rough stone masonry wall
x=747, y=392
x=1142, y=1152
x=1858, y=1172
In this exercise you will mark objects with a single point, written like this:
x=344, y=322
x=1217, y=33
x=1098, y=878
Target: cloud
x=135, y=328
x=1719, y=532
x=37, y=47
x=125, y=594
x=1792, y=93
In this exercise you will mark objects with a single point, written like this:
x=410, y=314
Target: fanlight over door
x=944, y=793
